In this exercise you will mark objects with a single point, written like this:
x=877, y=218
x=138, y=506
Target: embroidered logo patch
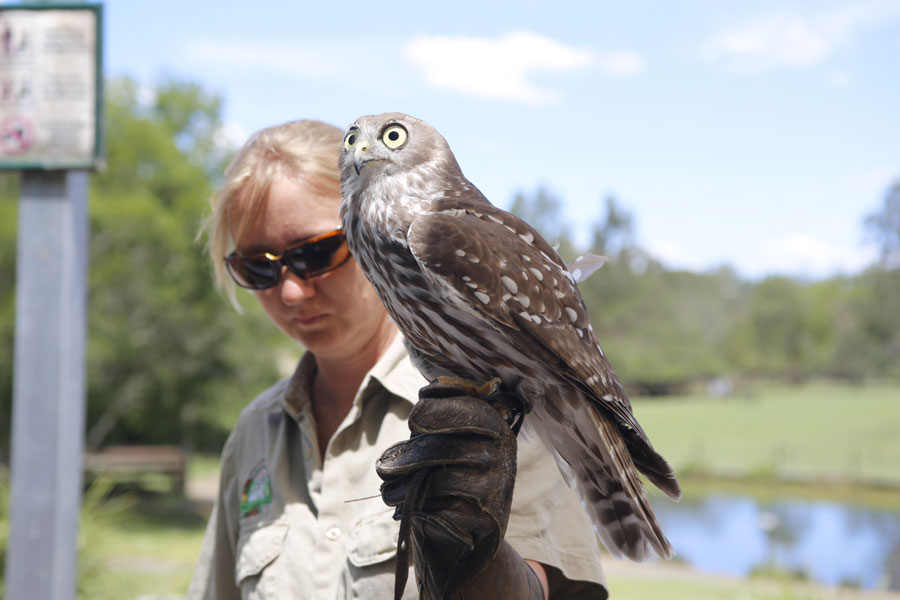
x=257, y=491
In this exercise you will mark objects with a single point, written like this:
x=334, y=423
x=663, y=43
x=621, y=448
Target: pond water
x=827, y=542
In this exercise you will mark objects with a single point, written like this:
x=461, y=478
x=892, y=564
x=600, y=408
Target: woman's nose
x=294, y=289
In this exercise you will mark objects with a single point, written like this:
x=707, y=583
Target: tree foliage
x=164, y=345
x=665, y=329
x=614, y=233
x=543, y=211
x=883, y=227
x=9, y=193
x=169, y=361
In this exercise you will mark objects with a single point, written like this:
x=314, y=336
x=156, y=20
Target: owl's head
x=389, y=144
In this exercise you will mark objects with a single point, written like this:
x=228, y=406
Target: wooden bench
x=132, y=462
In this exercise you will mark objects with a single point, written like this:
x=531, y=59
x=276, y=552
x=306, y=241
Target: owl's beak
x=361, y=156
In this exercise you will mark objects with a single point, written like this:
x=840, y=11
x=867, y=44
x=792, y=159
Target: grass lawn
x=671, y=582
x=143, y=545
x=138, y=546
x=679, y=589
x=819, y=431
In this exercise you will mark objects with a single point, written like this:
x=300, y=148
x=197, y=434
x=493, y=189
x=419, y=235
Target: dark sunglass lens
x=254, y=274
x=317, y=257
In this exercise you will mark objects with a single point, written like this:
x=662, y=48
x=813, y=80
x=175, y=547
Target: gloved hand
x=452, y=485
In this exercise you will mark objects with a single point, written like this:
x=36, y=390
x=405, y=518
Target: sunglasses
x=309, y=258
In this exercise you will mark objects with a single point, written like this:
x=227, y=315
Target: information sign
x=50, y=86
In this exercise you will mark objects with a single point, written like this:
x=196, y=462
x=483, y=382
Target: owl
x=478, y=294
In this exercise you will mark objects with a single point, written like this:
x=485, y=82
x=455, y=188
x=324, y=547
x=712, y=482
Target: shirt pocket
x=373, y=539
x=371, y=552
x=258, y=548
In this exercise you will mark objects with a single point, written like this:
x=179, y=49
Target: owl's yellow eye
x=394, y=136
x=350, y=139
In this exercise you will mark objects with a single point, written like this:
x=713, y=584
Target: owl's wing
x=506, y=271
x=508, y=274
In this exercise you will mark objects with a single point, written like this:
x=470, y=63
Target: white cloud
x=499, y=68
x=232, y=135
x=782, y=39
x=769, y=42
x=795, y=254
x=804, y=255
x=621, y=63
x=673, y=254
x=146, y=94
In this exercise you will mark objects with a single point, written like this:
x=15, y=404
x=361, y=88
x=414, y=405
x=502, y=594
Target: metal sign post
x=49, y=129
x=48, y=388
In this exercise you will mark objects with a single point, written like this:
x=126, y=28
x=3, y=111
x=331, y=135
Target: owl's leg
x=470, y=387
x=510, y=407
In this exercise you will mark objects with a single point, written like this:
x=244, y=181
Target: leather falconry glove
x=451, y=484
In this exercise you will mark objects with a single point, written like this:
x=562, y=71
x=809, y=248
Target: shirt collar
x=393, y=371
x=296, y=399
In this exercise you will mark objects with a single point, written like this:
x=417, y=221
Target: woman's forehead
x=291, y=210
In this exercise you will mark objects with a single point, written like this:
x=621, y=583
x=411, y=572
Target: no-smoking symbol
x=16, y=135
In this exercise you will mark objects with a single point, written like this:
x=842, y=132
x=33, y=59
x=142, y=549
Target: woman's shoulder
x=254, y=416
x=269, y=400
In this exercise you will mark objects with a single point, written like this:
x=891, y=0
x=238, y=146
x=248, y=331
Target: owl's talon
x=508, y=405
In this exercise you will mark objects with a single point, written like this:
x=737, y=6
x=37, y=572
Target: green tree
x=867, y=340
x=883, y=226
x=614, y=233
x=662, y=329
x=543, y=210
x=780, y=333
x=870, y=340
x=168, y=359
x=9, y=197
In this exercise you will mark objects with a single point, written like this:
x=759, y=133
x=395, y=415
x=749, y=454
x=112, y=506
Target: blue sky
x=756, y=134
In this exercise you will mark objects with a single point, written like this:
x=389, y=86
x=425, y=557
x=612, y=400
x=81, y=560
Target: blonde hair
x=306, y=150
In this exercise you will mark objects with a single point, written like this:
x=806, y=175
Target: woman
x=298, y=513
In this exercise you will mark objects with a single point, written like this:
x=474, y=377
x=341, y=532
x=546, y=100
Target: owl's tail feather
x=594, y=459
x=652, y=465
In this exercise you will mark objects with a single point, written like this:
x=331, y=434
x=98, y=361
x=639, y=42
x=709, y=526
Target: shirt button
x=333, y=533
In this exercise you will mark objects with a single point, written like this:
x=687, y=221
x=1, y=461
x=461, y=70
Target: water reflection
x=827, y=542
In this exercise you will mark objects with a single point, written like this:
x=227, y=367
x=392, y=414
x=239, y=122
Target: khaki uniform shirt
x=291, y=524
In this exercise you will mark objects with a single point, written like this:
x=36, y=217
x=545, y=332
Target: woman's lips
x=308, y=319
